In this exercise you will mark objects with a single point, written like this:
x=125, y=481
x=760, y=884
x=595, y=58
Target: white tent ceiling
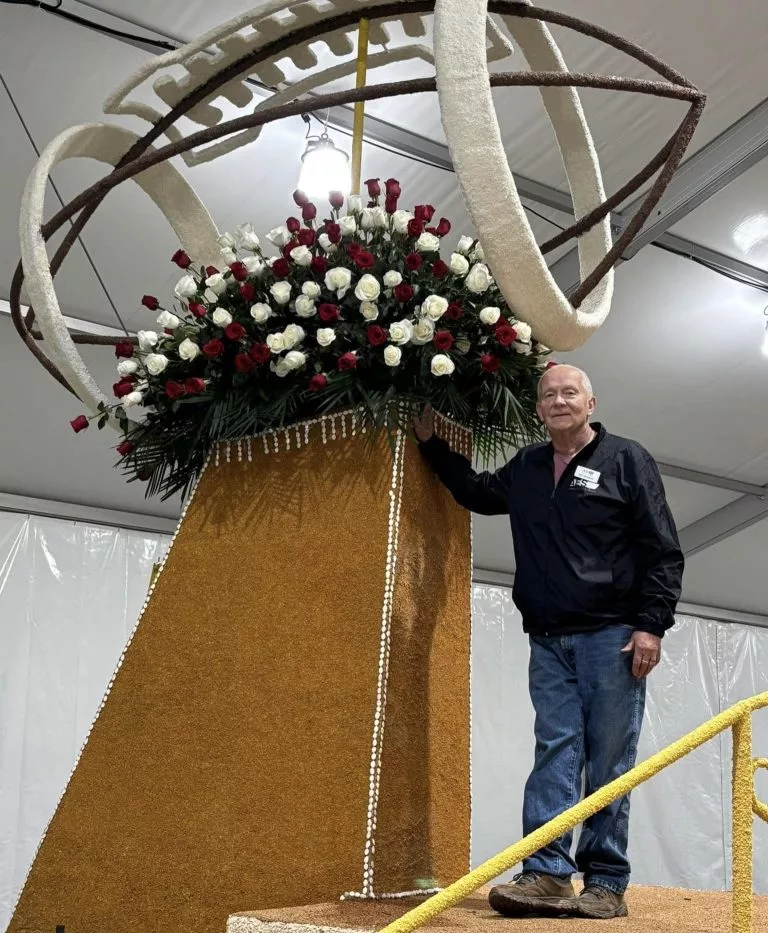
x=678, y=365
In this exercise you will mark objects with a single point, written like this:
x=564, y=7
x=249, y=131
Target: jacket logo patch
x=585, y=478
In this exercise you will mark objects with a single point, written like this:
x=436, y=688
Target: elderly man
x=599, y=571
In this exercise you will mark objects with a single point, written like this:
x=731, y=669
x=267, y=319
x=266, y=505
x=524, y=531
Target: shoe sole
x=586, y=914
x=520, y=906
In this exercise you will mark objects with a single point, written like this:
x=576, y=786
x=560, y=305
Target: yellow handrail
x=745, y=803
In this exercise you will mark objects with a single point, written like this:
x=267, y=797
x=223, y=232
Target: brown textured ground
x=652, y=910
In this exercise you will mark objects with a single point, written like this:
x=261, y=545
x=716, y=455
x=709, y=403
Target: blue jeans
x=589, y=710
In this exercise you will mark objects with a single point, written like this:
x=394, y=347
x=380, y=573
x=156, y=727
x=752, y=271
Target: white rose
x=423, y=332
x=401, y=332
x=246, y=237
x=338, y=280
x=367, y=221
x=465, y=244
x=380, y=218
x=169, y=320
x=326, y=336
x=442, y=365
x=392, y=278
x=524, y=349
x=434, y=307
x=155, y=363
x=280, y=368
x=523, y=331
x=459, y=264
x=254, y=265
x=216, y=283
x=392, y=355
x=188, y=349
x=186, y=287
x=260, y=312
x=302, y=256
x=368, y=288
x=276, y=342
x=147, y=339
x=127, y=367
x=479, y=279
x=221, y=318
x=354, y=204
x=325, y=241
x=478, y=255
x=369, y=310
x=490, y=315
x=229, y=256
x=348, y=226
x=281, y=292
x=295, y=359
x=428, y=243
x=226, y=241
x=305, y=307
x=292, y=335
x=311, y=290
x=279, y=236
x=133, y=398
x=400, y=221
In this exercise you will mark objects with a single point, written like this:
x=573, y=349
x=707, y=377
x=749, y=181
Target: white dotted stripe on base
x=240, y=923
x=104, y=699
x=360, y=896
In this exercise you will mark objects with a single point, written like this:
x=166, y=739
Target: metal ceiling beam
x=710, y=479
x=722, y=524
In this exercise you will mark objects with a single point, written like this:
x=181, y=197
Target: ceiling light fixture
x=324, y=168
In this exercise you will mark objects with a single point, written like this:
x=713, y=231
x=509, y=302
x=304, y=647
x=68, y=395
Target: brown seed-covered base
x=230, y=766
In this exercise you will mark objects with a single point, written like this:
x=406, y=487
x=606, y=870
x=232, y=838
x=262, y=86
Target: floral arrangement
x=355, y=311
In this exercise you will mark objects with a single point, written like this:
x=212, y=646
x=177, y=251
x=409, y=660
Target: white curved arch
x=163, y=183
x=472, y=131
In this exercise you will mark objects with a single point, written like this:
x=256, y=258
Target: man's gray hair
x=586, y=382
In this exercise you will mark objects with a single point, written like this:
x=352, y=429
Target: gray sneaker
x=535, y=894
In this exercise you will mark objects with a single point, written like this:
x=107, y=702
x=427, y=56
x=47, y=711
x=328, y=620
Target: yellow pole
x=742, y=825
x=357, y=126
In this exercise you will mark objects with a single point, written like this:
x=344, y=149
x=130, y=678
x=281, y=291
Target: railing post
x=742, y=825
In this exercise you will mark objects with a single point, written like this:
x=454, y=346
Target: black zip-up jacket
x=599, y=548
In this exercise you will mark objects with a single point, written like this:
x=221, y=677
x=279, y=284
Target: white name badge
x=591, y=476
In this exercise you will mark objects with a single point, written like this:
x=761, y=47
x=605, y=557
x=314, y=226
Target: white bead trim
x=104, y=699
x=361, y=896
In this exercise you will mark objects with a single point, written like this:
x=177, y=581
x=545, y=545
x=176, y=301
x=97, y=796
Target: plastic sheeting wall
x=70, y=595
x=680, y=827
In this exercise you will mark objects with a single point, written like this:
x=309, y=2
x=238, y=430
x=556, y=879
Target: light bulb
x=764, y=348
x=324, y=168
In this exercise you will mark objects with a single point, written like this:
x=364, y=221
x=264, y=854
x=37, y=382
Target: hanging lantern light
x=324, y=168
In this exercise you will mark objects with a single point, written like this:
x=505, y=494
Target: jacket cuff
x=652, y=628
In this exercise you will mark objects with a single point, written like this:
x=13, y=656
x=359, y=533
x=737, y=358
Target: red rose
x=439, y=269
x=550, y=364
x=506, y=335
x=317, y=382
x=306, y=236
x=197, y=309
x=299, y=198
x=376, y=335
x=374, y=188
x=79, y=424
x=293, y=224
x=337, y=199
x=195, y=385
x=124, y=349
x=413, y=262
x=239, y=272
x=403, y=292
x=443, y=340
x=244, y=363
x=443, y=228
x=390, y=204
x=453, y=312
x=353, y=248
x=259, y=353
x=213, y=348
x=347, y=362
x=126, y=447
x=123, y=388
x=289, y=247
x=281, y=268
x=333, y=232
x=308, y=212
x=234, y=331
x=489, y=363
x=319, y=265
x=247, y=291
x=393, y=189
x=211, y=270
x=175, y=390
x=415, y=228
x=364, y=260
x=149, y=301
x=182, y=260
x=328, y=312
x=168, y=331
x=424, y=212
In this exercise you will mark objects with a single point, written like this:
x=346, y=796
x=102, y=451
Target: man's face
x=564, y=404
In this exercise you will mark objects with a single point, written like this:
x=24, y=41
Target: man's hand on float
x=424, y=425
x=646, y=651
